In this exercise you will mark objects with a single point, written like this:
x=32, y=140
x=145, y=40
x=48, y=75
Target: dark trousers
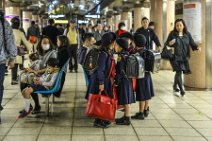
x=15, y=72
x=178, y=80
x=33, y=95
x=2, y=72
x=72, y=50
x=21, y=66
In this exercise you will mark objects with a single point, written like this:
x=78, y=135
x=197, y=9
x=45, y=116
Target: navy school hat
x=108, y=38
x=140, y=40
x=123, y=43
x=127, y=35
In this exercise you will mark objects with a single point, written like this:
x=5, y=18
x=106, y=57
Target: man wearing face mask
x=73, y=37
x=149, y=34
x=121, y=29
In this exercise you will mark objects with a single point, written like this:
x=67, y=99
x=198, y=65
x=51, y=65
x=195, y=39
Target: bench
x=47, y=94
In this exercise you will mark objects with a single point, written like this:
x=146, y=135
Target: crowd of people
x=55, y=45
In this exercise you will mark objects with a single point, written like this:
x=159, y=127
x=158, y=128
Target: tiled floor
x=171, y=117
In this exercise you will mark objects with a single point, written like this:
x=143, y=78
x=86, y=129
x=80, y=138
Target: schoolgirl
x=99, y=80
x=144, y=86
x=122, y=82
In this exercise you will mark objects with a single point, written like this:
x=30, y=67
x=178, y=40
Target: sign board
x=192, y=14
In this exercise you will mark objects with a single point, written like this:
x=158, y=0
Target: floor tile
x=155, y=138
x=180, y=138
x=145, y=123
x=182, y=132
x=87, y=138
x=206, y=132
x=20, y=138
x=119, y=130
x=4, y=131
x=87, y=131
x=49, y=130
x=54, y=138
x=121, y=138
x=151, y=131
x=24, y=131
x=174, y=123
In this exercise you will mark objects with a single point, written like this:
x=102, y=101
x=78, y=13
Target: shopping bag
x=101, y=106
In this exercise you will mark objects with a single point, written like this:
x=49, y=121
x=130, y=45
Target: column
x=156, y=15
x=27, y=17
x=117, y=19
x=140, y=11
x=125, y=17
x=198, y=59
x=11, y=12
x=109, y=20
x=35, y=18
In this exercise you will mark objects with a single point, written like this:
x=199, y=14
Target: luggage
x=91, y=61
x=152, y=61
x=135, y=66
x=101, y=106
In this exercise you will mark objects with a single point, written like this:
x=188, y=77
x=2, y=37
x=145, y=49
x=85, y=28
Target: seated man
x=45, y=82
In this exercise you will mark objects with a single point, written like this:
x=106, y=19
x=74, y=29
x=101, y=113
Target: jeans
x=2, y=72
x=72, y=50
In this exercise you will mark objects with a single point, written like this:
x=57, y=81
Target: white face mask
x=123, y=28
x=45, y=47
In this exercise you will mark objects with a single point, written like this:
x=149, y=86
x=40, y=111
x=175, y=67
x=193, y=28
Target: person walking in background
x=121, y=28
x=72, y=34
x=19, y=36
x=98, y=33
x=32, y=31
x=8, y=51
x=149, y=34
x=181, y=40
x=51, y=31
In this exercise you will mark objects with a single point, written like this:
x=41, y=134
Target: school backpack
x=152, y=61
x=91, y=61
x=135, y=66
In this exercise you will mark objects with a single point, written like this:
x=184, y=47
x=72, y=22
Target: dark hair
x=185, y=27
x=39, y=47
x=15, y=23
x=51, y=21
x=52, y=62
x=87, y=36
x=151, y=23
x=144, y=18
x=32, y=22
x=64, y=40
x=33, y=56
x=121, y=24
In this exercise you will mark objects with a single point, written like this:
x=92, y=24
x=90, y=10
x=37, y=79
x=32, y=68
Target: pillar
x=117, y=19
x=156, y=15
x=35, y=18
x=139, y=12
x=11, y=12
x=27, y=17
x=109, y=21
x=198, y=59
x=126, y=17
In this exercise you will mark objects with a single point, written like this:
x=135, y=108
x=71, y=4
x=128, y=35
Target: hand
x=172, y=42
x=199, y=49
x=158, y=48
x=101, y=87
x=11, y=64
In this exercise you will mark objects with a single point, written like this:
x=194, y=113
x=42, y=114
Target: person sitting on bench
x=45, y=82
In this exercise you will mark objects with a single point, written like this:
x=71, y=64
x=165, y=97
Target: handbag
x=167, y=54
x=101, y=106
x=21, y=51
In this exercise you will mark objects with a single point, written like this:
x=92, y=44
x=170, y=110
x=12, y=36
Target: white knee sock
x=27, y=104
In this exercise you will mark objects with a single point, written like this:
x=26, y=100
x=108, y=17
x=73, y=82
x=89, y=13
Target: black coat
x=52, y=32
x=150, y=37
x=181, y=50
x=62, y=56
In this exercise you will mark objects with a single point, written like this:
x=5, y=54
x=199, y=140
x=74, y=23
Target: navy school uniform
x=144, y=86
x=100, y=76
x=124, y=89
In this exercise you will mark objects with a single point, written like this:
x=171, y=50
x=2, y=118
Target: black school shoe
x=31, y=108
x=100, y=123
x=175, y=89
x=182, y=93
x=24, y=113
x=123, y=121
x=139, y=115
x=36, y=110
x=146, y=112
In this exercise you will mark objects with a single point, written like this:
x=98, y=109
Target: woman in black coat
x=181, y=40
